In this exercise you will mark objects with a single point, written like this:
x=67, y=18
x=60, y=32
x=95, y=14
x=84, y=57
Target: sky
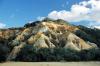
x=16, y=13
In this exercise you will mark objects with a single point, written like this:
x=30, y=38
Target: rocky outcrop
x=13, y=54
x=40, y=40
x=76, y=43
x=45, y=35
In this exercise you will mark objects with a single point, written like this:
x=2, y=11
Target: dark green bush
x=88, y=34
x=4, y=50
x=30, y=53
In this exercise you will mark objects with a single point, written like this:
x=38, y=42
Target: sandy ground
x=50, y=64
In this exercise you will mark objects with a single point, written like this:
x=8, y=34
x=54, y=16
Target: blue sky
x=15, y=13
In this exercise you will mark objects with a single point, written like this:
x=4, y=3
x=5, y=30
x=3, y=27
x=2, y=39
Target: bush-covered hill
x=49, y=40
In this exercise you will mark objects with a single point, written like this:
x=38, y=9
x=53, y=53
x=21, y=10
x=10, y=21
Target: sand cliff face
x=44, y=35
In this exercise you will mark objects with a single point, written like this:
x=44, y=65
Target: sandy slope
x=50, y=64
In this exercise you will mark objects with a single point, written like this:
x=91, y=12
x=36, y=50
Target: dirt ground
x=50, y=64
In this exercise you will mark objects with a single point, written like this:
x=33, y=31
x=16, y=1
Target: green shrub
x=30, y=53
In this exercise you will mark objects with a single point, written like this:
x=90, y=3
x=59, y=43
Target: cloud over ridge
x=86, y=10
x=2, y=25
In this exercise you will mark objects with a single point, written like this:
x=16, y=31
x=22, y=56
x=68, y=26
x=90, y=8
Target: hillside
x=46, y=34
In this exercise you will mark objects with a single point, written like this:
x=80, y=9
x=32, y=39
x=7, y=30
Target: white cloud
x=98, y=27
x=85, y=10
x=2, y=25
x=40, y=18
